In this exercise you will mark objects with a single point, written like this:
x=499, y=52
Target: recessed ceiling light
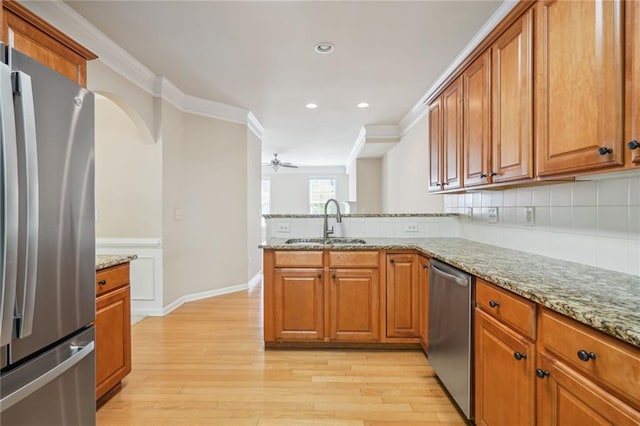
x=363, y=105
x=324, y=48
x=311, y=105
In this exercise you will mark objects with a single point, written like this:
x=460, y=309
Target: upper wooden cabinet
x=632, y=104
x=579, y=85
x=29, y=34
x=445, y=118
x=512, y=71
x=476, y=112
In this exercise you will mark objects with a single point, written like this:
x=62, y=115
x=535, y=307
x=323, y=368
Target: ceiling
x=259, y=55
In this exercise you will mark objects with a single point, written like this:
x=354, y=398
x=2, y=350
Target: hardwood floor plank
x=205, y=364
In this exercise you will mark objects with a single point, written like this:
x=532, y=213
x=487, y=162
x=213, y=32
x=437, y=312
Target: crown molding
x=254, y=125
x=388, y=132
x=64, y=18
x=357, y=148
x=419, y=110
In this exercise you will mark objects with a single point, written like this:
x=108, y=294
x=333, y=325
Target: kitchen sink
x=323, y=241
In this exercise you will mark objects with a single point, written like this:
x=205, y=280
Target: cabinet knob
x=542, y=373
x=425, y=266
x=603, y=150
x=483, y=175
x=586, y=356
x=494, y=304
x=633, y=145
x=102, y=282
x=519, y=356
x=435, y=184
x=319, y=276
x=492, y=174
x=333, y=276
x=445, y=183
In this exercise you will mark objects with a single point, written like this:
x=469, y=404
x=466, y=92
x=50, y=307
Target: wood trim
x=268, y=311
x=44, y=26
x=632, y=81
x=512, y=17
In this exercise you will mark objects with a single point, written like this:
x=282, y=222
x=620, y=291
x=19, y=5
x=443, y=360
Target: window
x=320, y=190
x=266, y=196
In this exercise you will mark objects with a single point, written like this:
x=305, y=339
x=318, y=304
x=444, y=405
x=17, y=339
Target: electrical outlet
x=177, y=214
x=492, y=216
x=529, y=216
x=411, y=227
x=283, y=228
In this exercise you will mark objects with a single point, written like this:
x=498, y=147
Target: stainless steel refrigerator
x=47, y=257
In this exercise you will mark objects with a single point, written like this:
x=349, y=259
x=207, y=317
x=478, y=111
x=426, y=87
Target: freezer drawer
x=55, y=388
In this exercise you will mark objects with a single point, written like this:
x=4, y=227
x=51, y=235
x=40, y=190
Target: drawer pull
x=102, y=282
x=586, y=356
x=333, y=276
x=519, y=356
x=320, y=276
x=603, y=150
x=494, y=304
x=542, y=373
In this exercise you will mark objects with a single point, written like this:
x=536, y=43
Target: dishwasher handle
x=460, y=279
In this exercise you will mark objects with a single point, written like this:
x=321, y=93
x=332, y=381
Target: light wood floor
x=205, y=364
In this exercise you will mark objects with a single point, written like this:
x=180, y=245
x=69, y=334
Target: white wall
x=592, y=222
x=405, y=174
x=369, y=185
x=128, y=176
x=290, y=187
x=254, y=203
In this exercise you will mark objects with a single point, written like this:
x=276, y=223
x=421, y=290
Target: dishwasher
x=450, y=350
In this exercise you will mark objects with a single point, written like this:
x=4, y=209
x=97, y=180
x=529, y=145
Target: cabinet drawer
x=353, y=259
x=298, y=259
x=612, y=363
x=111, y=278
x=512, y=309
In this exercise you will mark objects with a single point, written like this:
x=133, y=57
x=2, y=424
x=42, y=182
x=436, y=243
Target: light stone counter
x=605, y=300
x=106, y=261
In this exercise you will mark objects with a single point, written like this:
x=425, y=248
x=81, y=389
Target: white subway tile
x=584, y=193
x=612, y=221
x=486, y=198
x=523, y=197
x=613, y=254
x=497, y=199
x=542, y=218
x=356, y=228
x=387, y=229
x=507, y=216
x=371, y=229
x=584, y=220
x=560, y=218
x=541, y=196
x=468, y=200
x=634, y=222
x=510, y=198
x=584, y=249
x=613, y=192
x=451, y=200
x=560, y=195
x=477, y=199
x=633, y=257
x=634, y=191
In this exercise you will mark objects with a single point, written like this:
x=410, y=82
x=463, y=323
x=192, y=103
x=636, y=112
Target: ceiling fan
x=276, y=163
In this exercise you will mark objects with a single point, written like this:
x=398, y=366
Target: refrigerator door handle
x=26, y=123
x=78, y=353
x=9, y=212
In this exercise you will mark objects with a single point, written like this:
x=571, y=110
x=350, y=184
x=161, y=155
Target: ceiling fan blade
x=288, y=165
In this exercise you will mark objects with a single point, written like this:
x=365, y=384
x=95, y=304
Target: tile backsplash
x=594, y=222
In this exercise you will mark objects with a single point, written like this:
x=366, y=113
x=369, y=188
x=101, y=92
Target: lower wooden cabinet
x=354, y=305
x=565, y=397
x=113, y=328
x=298, y=302
x=403, y=308
x=504, y=374
x=424, y=302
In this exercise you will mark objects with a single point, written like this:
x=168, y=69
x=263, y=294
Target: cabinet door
x=113, y=339
x=452, y=136
x=403, y=307
x=511, y=68
x=37, y=39
x=579, y=81
x=424, y=302
x=476, y=109
x=505, y=374
x=567, y=398
x=298, y=304
x=435, y=145
x=354, y=305
x=632, y=60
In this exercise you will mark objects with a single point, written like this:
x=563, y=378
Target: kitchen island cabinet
x=113, y=328
x=403, y=292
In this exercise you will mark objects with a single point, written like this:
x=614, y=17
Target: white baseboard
x=198, y=296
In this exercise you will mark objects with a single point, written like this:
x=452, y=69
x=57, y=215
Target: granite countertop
x=107, y=260
x=302, y=216
x=606, y=300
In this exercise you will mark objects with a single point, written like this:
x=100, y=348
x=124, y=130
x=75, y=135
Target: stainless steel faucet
x=326, y=229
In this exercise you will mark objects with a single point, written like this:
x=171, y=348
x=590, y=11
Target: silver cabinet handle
x=9, y=194
x=28, y=154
